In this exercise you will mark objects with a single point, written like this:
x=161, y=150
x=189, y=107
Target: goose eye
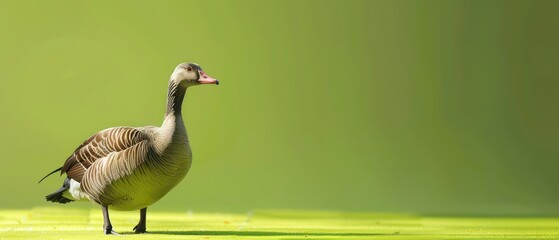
x=189, y=69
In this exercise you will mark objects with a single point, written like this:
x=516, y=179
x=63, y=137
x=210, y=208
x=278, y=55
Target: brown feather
x=98, y=146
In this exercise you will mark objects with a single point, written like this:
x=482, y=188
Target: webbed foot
x=109, y=230
x=140, y=228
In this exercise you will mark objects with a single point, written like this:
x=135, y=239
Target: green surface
x=60, y=223
x=442, y=107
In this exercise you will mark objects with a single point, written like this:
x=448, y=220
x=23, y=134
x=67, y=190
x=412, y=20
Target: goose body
x=152, y=161
x=128, y=168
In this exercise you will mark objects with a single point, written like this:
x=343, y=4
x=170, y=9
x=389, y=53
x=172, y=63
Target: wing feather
x=100, y=145
x=100, y=181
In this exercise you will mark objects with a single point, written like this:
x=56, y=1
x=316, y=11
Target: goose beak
x=205, y=79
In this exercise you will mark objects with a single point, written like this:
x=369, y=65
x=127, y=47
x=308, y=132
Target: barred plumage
x=127, y=168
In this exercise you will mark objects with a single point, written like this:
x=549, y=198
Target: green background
x=439, y=107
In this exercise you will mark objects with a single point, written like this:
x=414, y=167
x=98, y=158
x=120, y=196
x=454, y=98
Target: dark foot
x=107, y=226
x=140, y=228
x=109, y=230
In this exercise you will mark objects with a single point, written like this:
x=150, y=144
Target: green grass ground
x=68, y=223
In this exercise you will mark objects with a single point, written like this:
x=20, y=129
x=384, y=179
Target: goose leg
x=141, y=227
x=107, y=222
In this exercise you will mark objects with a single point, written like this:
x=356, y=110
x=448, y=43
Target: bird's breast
x=151, y=180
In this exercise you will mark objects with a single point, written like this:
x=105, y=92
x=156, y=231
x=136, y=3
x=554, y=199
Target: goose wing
x=100, y=145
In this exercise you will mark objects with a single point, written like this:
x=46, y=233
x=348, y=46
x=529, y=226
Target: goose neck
x=175, y=96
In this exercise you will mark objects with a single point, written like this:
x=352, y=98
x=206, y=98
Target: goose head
x=191, y=74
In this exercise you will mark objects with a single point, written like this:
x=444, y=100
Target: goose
x=130, y=168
